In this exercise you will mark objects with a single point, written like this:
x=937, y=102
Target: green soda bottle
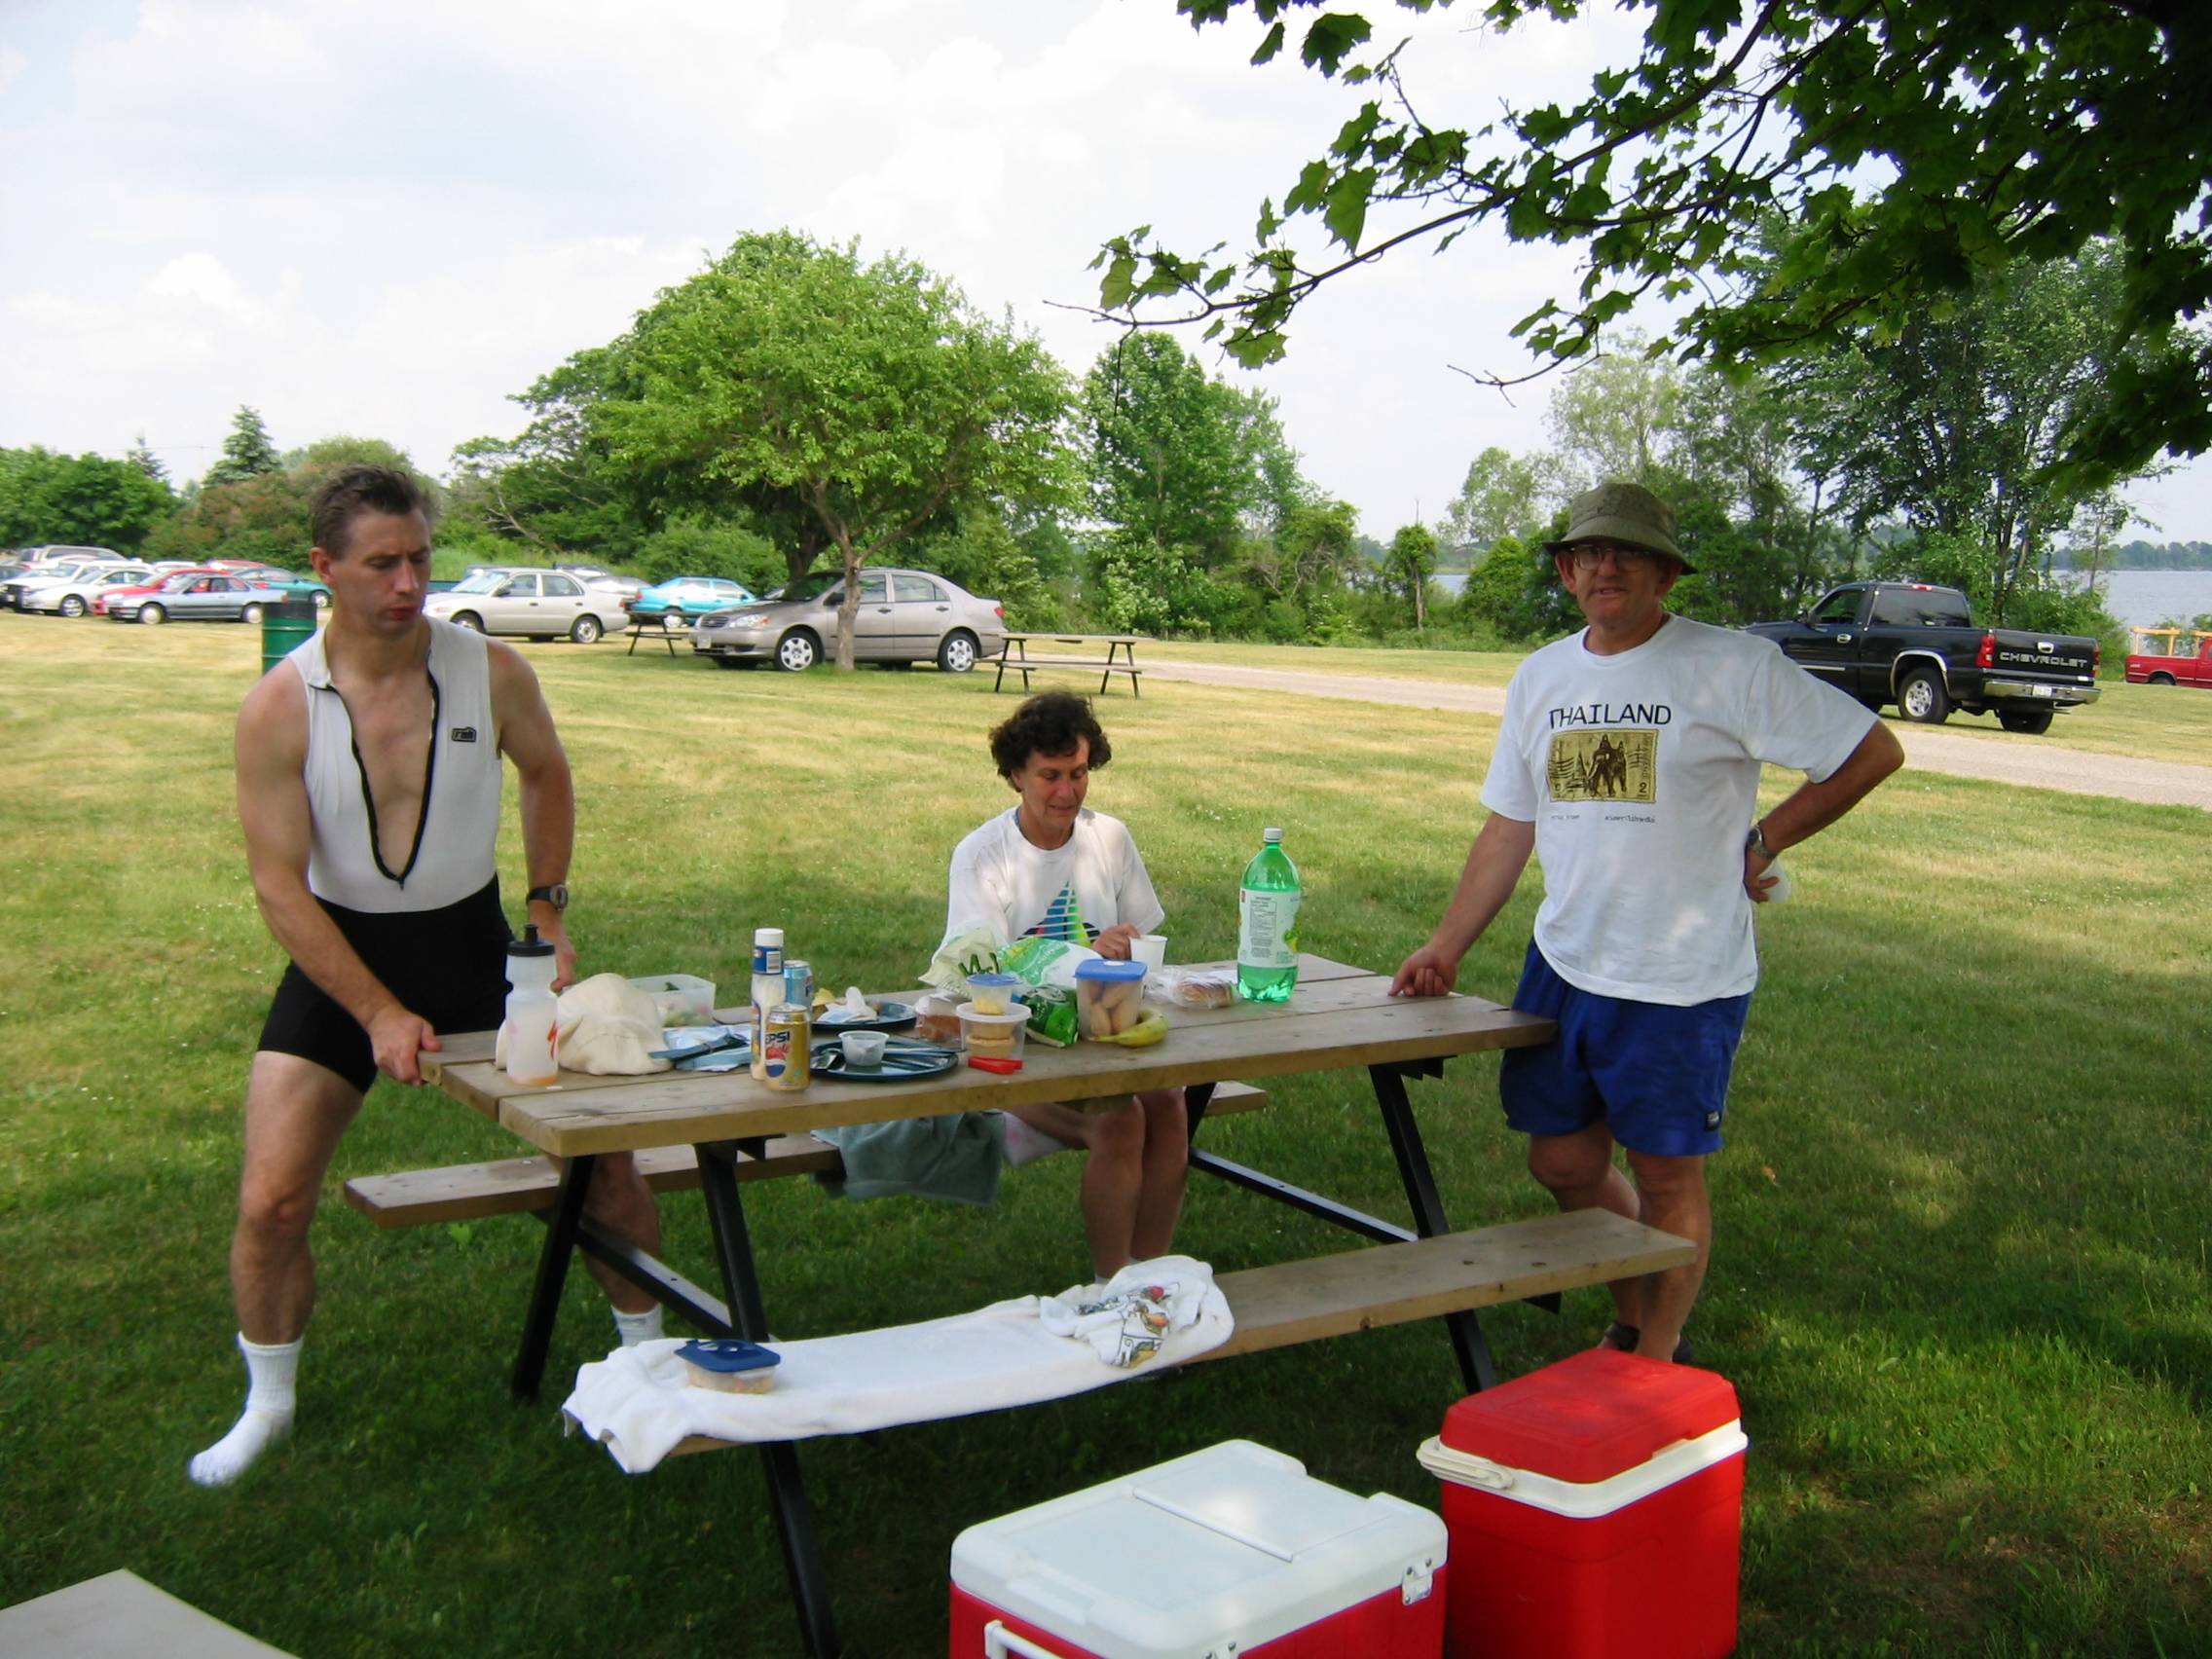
x=1267, y=925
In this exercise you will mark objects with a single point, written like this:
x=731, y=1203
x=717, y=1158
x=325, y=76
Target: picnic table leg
x=1467, y=1341
x=562, y=1230
x=787, y=1487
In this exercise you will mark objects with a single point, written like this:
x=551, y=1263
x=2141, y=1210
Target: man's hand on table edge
x=1426, y=973
x=396, y=1037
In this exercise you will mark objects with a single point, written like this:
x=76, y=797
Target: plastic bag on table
x=1192, y=987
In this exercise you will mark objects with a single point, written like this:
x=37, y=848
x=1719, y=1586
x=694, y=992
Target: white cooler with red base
x=1229, y=1551
x=1596, y=1509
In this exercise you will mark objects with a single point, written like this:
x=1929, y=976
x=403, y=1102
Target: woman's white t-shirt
x=1002, y=883
x=1640, y=771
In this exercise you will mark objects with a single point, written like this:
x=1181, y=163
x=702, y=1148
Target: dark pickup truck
x=1918, y=646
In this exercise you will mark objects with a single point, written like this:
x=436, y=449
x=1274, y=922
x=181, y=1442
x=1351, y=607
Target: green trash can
x=285, y=625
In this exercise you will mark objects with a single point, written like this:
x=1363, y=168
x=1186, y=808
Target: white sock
x=269, y=1370
x=636, y=1328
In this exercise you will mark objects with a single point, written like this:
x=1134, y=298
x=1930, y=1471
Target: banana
x=1143, y=1034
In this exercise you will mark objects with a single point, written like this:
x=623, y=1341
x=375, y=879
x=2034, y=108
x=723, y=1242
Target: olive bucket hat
x=1622, y=512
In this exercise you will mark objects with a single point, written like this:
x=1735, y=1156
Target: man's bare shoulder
x=274, y=715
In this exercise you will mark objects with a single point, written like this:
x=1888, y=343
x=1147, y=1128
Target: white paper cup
x=1151, y=949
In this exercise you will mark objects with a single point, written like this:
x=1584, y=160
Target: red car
x=136, y=589
x=2167, y=667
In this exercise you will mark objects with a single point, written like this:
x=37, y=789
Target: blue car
x=682, y=599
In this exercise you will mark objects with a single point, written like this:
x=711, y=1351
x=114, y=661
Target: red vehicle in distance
x=2153, y=657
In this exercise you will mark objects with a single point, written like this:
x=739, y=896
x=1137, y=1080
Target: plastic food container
x=686, y=996
x=993, y=1036
x=864, y=1050
x=1108, y=997
x=936, y=1017
x=992, y=993
x=730, y=1365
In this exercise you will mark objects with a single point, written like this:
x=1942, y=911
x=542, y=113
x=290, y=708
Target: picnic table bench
x=670, y=629
x=1120, y=658
x=735, y=1129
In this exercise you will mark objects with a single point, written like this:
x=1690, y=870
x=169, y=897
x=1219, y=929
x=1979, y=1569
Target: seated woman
x=1053, y=867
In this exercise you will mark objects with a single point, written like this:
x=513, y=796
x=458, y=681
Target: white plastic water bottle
x=532, y=1012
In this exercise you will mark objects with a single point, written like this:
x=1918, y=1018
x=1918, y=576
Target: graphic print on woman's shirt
x=1063, y=921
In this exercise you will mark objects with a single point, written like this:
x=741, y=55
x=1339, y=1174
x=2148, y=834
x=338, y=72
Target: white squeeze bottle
x=768, y=986
x=532, y=1010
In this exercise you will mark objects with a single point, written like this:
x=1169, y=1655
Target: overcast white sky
x=384, y=218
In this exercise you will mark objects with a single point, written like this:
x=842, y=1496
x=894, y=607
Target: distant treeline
x=2155, y=555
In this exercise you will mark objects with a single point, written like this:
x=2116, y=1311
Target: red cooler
x=1595, y=1508
x=1229, y=1550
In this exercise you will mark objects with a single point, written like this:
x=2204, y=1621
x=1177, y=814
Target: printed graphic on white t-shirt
x=1003, y=884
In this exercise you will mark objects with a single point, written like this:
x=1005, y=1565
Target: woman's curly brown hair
x=1047, y=723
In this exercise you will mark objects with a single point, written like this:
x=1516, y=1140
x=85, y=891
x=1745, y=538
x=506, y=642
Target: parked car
x=74, y=596
x=13, y=590
x=598, y=578
x=290, y=585
x=686, y=599
x=2155, y=656
x=54, y=553
x=903, y=616
x=539, y=605
x=161, y=577
x=1918, y=646
x=208, y=597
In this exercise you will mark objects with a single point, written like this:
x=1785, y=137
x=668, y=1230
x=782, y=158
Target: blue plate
x=902, y=1061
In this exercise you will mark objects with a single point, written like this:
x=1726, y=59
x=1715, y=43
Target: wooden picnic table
x=671, y=628
x=1120, y=658
x=1339, y=1016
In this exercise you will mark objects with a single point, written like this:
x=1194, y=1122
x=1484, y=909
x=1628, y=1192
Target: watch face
x=557, y=895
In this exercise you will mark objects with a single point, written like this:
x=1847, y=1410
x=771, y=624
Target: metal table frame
x=740, y=1311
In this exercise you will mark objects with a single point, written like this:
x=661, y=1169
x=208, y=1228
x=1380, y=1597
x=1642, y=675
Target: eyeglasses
x=1589, y=555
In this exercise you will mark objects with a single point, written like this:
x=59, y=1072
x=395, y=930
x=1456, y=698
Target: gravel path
x=2036, y=762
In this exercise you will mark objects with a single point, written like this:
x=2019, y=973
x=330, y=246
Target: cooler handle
x=1465, y=1467
x=999, y=1642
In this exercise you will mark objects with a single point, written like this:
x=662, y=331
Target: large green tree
x=870, y=395
x=1909, y=145
x=247, y=452
x=1168, y=461
x=87, y=500
x=1955, y=425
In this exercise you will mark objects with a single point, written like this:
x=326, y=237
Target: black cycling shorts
x=449, y=966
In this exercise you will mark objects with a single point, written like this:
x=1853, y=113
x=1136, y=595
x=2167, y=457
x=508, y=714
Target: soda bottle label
x=1266, y=929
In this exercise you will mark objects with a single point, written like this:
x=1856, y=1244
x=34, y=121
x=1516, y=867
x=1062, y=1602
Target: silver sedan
x=539, y=605
x=903, y=616
x=195, y=599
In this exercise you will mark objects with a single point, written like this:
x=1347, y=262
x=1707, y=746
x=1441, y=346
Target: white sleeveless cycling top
x=451, y=856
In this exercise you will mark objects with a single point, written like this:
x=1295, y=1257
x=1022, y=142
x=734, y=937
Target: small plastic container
x=684, y=998
x=730, y=1365
x=936, y=1017
x=992, y=993
x=864, y=1050
x=1108, y=997
x=993, y=1036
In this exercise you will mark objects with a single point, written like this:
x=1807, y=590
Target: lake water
x=2142, y=597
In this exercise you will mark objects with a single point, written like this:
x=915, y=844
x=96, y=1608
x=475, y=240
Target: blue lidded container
x=730, y=1364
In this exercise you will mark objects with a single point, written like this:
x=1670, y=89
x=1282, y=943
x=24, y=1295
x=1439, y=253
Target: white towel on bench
x=640, y=1403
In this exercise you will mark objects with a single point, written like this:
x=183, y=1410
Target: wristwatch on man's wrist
x=1755, y=841
x=557, y=895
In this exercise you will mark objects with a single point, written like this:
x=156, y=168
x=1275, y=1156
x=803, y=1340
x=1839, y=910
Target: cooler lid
x=1233, y=1541
x=1591, y=1416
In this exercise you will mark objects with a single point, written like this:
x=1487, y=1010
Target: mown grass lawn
x=1962, y=1278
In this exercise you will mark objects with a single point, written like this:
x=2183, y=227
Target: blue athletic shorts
x=1654, y=1074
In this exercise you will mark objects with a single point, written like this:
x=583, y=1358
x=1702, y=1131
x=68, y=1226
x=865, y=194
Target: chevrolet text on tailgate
x=1918, y=646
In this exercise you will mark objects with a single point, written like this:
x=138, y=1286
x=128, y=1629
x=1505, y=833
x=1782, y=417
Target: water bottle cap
x=1270, y=835
x=530, y=945
x=768, y=935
